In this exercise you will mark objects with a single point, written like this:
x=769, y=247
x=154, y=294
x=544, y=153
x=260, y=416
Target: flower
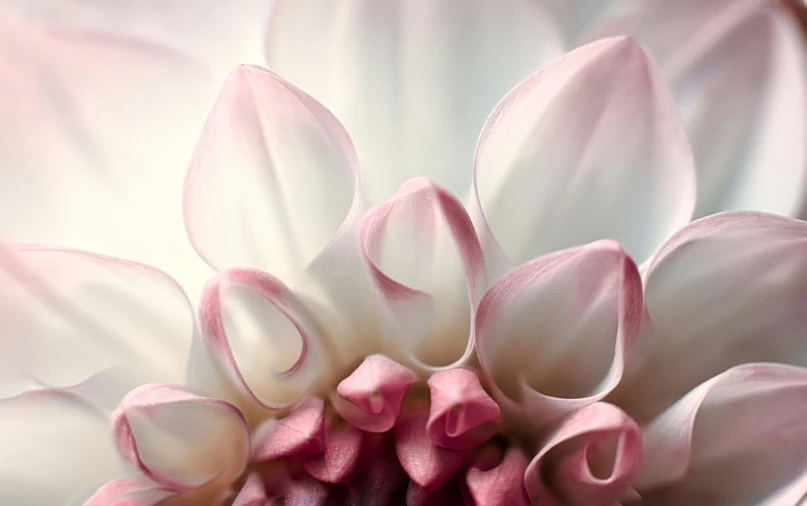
x=509, y=351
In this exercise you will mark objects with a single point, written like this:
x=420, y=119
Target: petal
x=252, y=493
x=461, y=414
x=340, y=456
x=725, y=290
x=502, y=485
x=737, y=70
x=424, y=256
x=97, y=130
x=273, y=177
x=55, y=447
x=575, y=16
x=69, y=316
x=413, y=81
x=555, y=334
x=370, y=398
x=562, y=163
x=739, y=438
x=589, y=460
x=253, y=324
x=180, y=439
x=299, y=435
x=130, y=492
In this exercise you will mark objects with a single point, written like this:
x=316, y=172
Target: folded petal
x=726, y=290
x=180, y=439
x=562, y=163
x=273, y=177
x=589, y=460
x=412, y=81
x=68, y=316
x=738, y=70
x=130, y=492
x=55, y=447
x=299, y=435
x=503, y=484
x=555, y=334
x=260, y=339
x=739, y=438
x=424, y=256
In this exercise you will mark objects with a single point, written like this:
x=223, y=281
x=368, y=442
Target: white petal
x=412, y=80
x=54, y=447
x=738, y=70
x=561, y=162
x=67, y=317
x=96, y=133
x=273, y=177
x=738, y=439
x=726, y=290
x=555, y=334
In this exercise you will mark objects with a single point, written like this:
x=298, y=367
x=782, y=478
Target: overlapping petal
x=412, y=81
x=561, y=162
x=738, y=438
x=556, y=334
x=273, y=177
x=726, y=290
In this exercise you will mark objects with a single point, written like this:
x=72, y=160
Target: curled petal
x=432, y=70
x=370, y=398
x=501, y=485
x=589, y=460
x=180, y=439
x=425, y=258
x=335, y=464
x=70, y=316
x=251, y=322
x=461, y=413
x=739, y=438
x=130, y=492
x=301, y=434
x=556, y=334
x=273, y=177
x=727, y=289
x=562, y=163
x=427, y=464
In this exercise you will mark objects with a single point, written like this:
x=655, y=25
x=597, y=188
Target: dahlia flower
x=423, y=351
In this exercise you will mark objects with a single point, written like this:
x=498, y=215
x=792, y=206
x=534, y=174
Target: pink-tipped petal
x=727, y=289
x=130, y=492
x=305, y=492
x=590, y=459
x=180, y=439
x=252, y=493
x=739, y=438
x=337, y=461
x=70, y=316
x=370, y=398
x=258, y=334
x=557, y=333
x=299, y=435
x=432, y=71
x=427, y=464
x=273, y=177
x=561, y=162
x=461, y=414
x=424, y=256
x=502, y=485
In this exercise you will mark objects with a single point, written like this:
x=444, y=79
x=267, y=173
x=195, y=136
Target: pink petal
x=253, y=324
x=273, y=177
x=462, y=414
x=427, y=464
x=737, y=69
x=252, y=493
x=180, y=439
x=335, y=464
x=55, y=447
x=424, y=256
x=370, y=398
x=299, y=435
x=502, y=485
x=562, y=163
x=378, y=474
x=432, y=71
x=739, y=438
x=557, y=333
x=130, y=492
x=305, y=492
x=71, y=316
x=726, y=290
x=589, y=460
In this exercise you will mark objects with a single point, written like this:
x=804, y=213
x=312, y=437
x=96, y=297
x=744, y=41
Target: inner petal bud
x=462, y=414
x=300, y=434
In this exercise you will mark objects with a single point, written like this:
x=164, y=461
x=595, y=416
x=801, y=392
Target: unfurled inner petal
x=462, y=414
